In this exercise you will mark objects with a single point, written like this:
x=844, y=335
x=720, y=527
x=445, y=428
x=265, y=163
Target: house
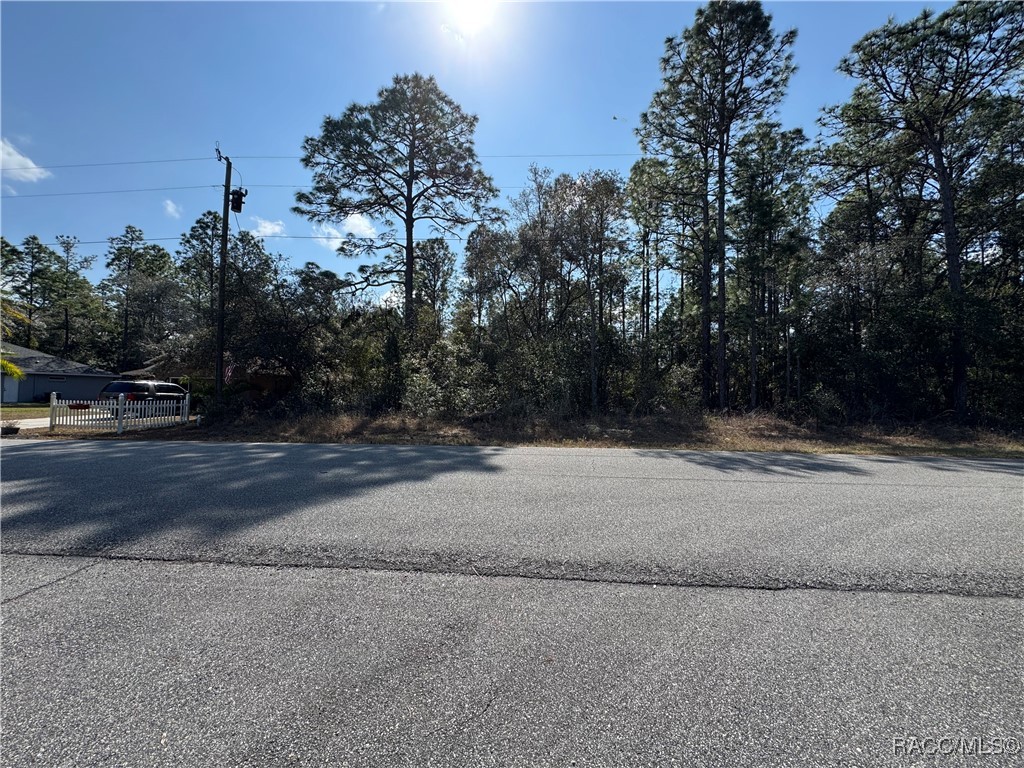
x=46, y=373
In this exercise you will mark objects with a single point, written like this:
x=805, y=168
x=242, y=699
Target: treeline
x=158, y=311
x=707, y=279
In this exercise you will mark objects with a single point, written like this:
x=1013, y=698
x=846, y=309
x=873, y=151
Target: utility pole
x=222, y=278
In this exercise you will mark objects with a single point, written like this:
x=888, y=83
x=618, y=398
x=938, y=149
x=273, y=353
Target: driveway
x=32, y=423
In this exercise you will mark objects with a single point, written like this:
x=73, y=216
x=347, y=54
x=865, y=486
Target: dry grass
x=769, y=433
x=755, y=432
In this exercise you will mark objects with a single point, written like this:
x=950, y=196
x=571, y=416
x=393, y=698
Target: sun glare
x=470, y=17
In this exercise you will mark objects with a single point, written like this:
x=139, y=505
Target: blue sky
x=558, y=84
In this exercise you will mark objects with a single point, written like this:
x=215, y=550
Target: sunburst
x=470, y=17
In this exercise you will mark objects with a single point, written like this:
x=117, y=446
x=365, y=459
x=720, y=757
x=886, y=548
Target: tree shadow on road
x=810, y=465
x=953, y=464
x=99, y=497
x=775, y=464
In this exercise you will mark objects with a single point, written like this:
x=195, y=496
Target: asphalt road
x=213, y=604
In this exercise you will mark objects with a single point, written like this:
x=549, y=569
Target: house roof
x=32, y=361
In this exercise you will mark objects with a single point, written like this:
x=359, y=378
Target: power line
x=252, y=157
x=481, y=157
x=100, y=165
x=106, y=192
x=263, y=237
x=288, y=157
x=107, y=241
x=306, y=186
x=169, y=189
x=584, y=154
x=326, y=236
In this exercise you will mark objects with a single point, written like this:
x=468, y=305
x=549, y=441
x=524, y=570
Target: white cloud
x=331, y=237
x=358, y=225
x=172, y=209
x=18, y=167
x=266, y=228
x=327, y=236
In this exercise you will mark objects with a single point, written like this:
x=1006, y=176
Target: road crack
x=58, y=580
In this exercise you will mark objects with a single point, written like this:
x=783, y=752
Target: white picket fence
x=116, y=415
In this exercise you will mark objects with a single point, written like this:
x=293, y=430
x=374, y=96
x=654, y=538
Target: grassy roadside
x=24, y=411
x=756, y=432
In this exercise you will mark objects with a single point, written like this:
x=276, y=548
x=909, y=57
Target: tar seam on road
x=59, y=579
x=490, y=572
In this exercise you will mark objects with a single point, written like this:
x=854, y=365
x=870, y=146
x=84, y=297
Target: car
x=143, y=391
